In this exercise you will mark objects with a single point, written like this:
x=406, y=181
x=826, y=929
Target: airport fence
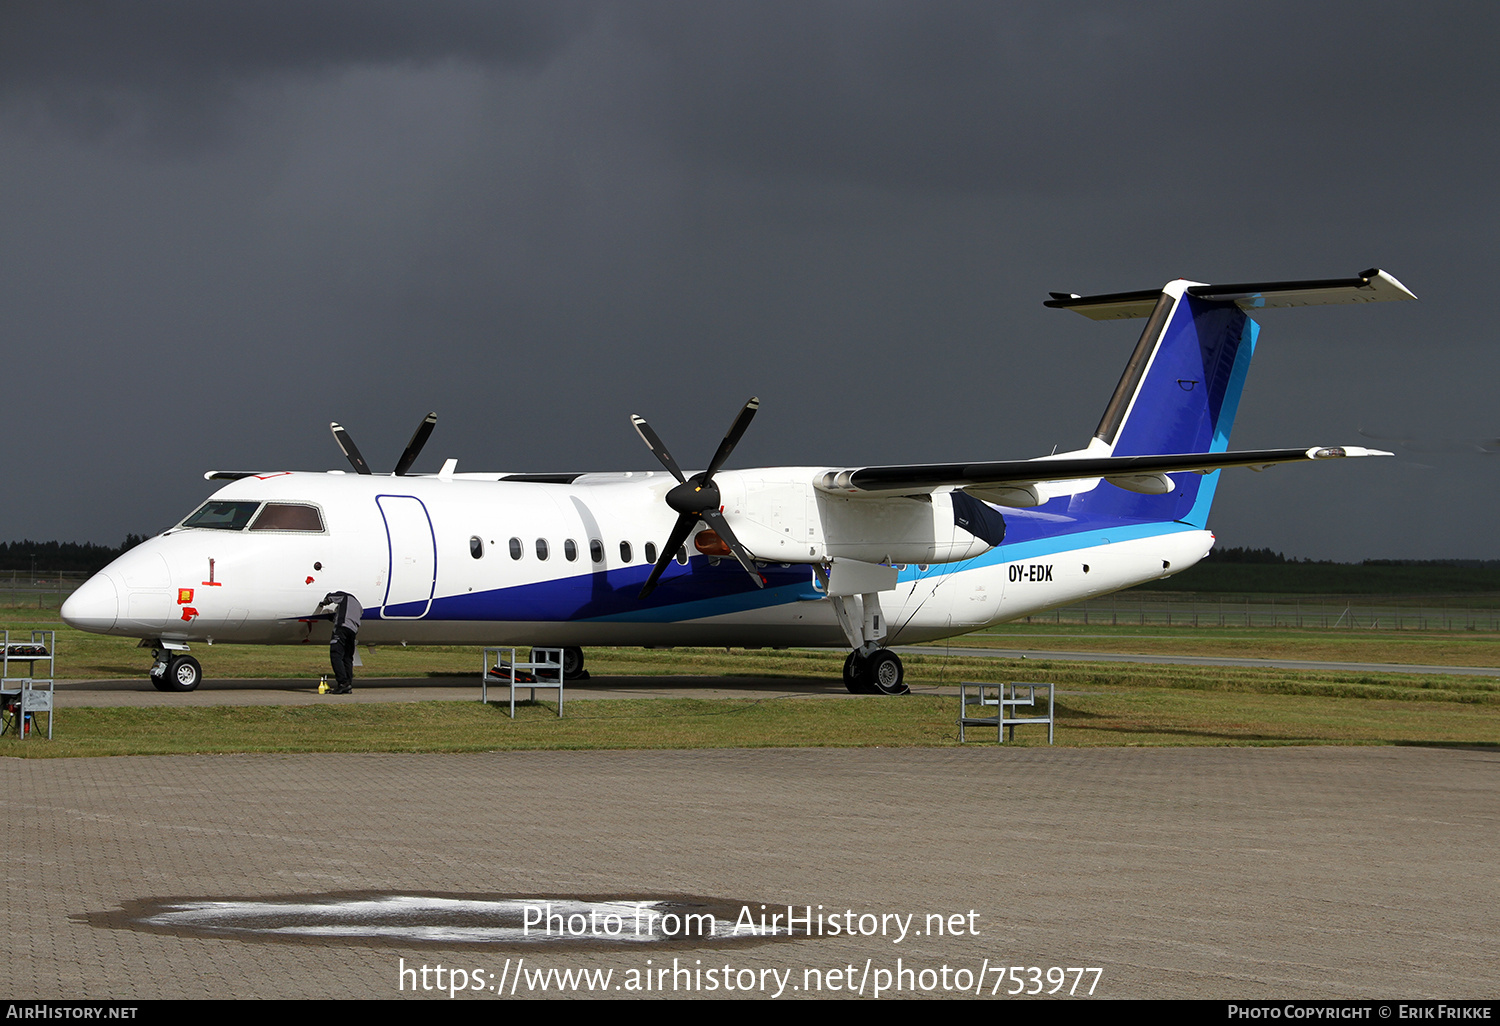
x=36, y=589
x=1324, y=612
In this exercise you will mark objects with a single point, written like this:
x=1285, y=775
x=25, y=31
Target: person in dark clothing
x=344, y=610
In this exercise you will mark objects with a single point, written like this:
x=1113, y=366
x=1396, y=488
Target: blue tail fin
x=1179, y=394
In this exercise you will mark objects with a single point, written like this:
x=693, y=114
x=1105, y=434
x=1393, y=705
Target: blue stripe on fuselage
x=702, y=590
x=684, y=593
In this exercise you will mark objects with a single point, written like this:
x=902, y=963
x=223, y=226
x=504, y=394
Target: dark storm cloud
x=227, y=224
x=153, y=43
x=96, y=64
x=1049, y=97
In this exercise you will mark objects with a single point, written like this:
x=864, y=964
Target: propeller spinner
x=408, y=457
x=697, y=498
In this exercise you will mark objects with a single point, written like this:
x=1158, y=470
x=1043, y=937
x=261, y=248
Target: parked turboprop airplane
x=811, y=556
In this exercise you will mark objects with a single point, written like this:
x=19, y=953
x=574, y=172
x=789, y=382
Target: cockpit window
x=223, y=516
x=287, y=516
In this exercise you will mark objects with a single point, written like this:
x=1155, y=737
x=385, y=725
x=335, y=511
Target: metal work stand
x=1003, y=698
x=543, y=660
x=22, y=697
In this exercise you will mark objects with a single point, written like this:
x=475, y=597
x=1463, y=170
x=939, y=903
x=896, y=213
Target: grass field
x=1117, y=716
x=1099, y=703
x=1435, y=647
x=95, y=657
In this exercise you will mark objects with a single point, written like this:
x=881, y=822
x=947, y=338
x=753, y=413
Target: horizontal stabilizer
x=1020, y=474
x=1372, y=286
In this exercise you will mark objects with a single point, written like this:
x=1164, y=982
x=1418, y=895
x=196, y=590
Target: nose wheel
x=175, y=672
x=879, y=673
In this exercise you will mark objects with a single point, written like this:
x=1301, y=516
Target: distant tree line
x=1243, y=555
x=52, y=556
x=1265, y=556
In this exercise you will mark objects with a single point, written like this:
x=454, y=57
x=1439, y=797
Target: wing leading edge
x=1133, y=473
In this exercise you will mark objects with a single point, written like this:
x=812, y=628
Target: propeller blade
x=680, y=530
x=715, y=520
x=349, y=449
x=654, y=444
x=736, y=432
x=414, y=447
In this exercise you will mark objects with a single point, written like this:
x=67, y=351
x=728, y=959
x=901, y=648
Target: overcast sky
x=224, y=225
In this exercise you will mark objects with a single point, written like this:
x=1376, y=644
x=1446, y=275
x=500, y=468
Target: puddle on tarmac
x=450, y=920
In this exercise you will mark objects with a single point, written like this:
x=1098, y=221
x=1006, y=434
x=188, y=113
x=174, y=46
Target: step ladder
x=545, y=669
x=1004, y=699
x=22, y=696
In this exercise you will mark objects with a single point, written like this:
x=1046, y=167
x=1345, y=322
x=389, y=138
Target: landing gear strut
x=870, y=669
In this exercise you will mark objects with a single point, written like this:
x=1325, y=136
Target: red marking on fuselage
x=211, y=583
x=188, y=612
x=267, y=477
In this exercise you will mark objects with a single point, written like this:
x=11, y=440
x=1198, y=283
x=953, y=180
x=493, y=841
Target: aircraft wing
x=1134, y=473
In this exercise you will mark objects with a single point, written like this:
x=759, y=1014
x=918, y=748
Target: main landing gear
x=175, y=672
x=870, y=669
x=573, y=664
x=877, y=673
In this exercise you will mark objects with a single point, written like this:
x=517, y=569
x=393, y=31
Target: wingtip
x=1343, y=451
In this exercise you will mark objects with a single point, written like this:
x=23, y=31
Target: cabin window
x=624, y=552
x=541, y=548
x=682, y=554
x=223, y=516
x=287, y=516
x=570, y=550
x=596, y=550
x=476, y=547
x=515, y=548
x=651, y=552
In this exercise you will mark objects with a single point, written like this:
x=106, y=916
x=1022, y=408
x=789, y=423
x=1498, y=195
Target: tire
x=856, y=676
x=183, y=674
x=573, y=664
x=885, y=674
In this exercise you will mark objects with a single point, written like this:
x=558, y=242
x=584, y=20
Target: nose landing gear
x=175, y=672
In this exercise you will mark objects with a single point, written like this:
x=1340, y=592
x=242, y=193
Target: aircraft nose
x=94, y=606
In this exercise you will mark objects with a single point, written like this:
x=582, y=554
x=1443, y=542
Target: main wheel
x=183, y=674
x=573, y=664
x=857, y=675
x=885, y=674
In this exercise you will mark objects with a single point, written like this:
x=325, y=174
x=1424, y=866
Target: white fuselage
x=460, y=560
